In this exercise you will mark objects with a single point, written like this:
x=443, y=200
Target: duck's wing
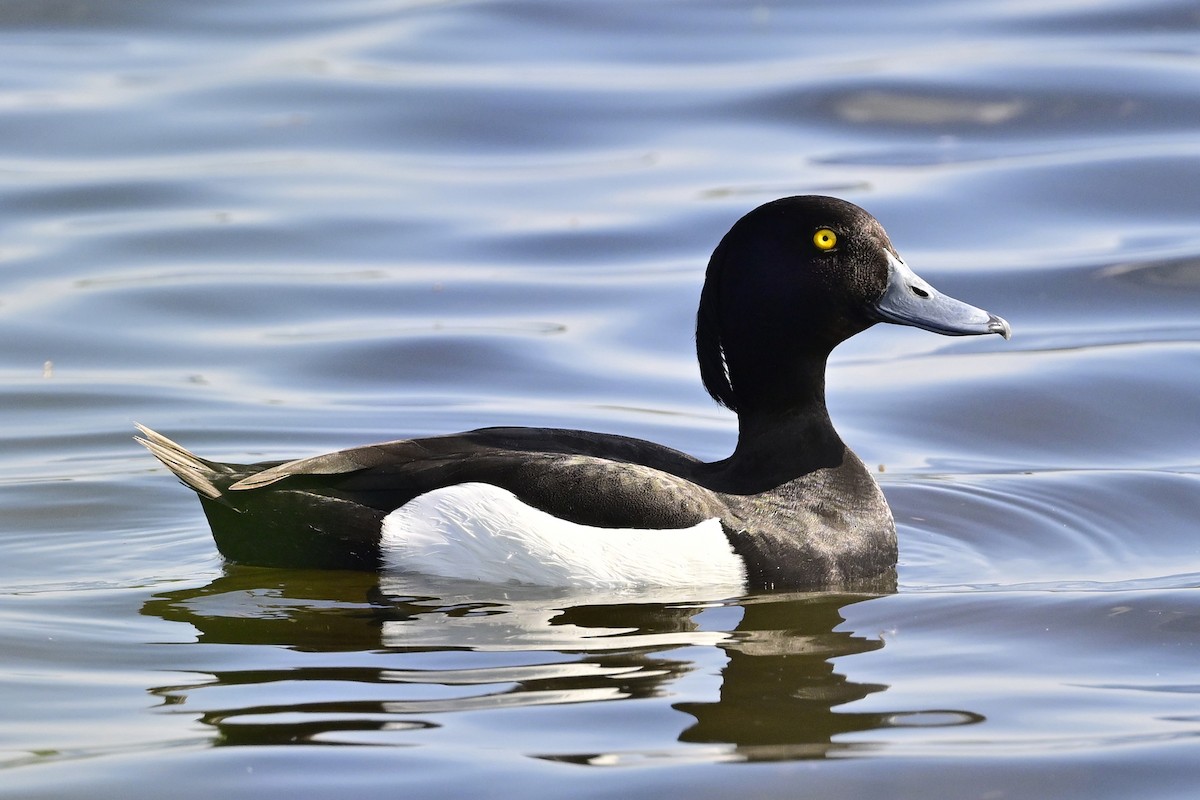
x=588, y=478
x=408, y=454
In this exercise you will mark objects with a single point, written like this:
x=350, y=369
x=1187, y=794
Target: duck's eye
x=825, y=239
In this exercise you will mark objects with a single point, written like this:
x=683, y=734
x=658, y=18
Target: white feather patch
x=476, y=531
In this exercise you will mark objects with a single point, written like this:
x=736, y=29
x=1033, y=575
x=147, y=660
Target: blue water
x=276, y=229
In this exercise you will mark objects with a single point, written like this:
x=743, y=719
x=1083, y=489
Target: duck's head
x=794, y=278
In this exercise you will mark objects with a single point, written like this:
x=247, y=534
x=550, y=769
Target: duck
x=792, y=508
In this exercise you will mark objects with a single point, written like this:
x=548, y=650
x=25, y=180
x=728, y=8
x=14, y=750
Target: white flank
x=476, y=531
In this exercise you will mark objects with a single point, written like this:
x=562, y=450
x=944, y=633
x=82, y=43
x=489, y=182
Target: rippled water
x=275, y=229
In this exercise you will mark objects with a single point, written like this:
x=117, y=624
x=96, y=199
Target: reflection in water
x=350, y=658
x=779, y=690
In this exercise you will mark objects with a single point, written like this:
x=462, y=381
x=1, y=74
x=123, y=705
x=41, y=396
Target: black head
x=793, y=279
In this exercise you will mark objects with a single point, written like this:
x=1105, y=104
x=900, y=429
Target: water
x=276, y=229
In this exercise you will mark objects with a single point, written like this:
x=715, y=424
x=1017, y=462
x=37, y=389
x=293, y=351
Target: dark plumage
x=789, y=282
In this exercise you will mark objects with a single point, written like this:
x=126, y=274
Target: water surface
x=276, y=229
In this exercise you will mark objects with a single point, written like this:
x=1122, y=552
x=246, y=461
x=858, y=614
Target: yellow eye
x=825, y=239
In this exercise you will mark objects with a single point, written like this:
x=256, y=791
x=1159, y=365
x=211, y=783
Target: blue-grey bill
x=910, y=300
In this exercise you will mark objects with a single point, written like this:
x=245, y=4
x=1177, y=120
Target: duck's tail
x=196, y=473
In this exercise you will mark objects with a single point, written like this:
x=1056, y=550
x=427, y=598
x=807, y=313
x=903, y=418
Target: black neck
x=784, y=434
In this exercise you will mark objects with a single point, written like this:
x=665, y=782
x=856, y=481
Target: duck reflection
x=780, y=690
x=354, y=658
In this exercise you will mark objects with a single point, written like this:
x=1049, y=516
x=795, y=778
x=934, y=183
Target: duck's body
x=792, y=507
x=330, y=511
